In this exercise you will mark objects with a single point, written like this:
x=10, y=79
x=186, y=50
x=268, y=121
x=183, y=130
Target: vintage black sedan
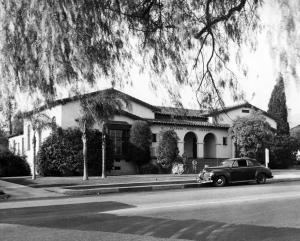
x=235, y=170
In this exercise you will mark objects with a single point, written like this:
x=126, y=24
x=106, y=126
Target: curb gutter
x=104, y=190
x=4, y=196
x=142, y=188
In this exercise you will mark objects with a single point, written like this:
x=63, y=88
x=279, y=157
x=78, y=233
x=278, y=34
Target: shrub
x=252, y=135
x=283, y=151
x=13, y=165
x=149, y=168
x=140, y=141
x=167, y=148
x=61, y=153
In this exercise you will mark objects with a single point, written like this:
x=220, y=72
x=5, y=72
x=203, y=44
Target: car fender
x=221, y=173
x=260, y=170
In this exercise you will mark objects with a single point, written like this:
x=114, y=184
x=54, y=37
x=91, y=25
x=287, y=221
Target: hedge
x=61, y=153
x=167, y=148
x=12, y=165
x=140, y=142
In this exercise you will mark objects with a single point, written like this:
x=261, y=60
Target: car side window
x=250, y=163
x=235, y=164
x=242, y=163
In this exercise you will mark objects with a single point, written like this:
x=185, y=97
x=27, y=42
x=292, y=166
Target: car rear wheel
x=261, y=178
x=219, y=181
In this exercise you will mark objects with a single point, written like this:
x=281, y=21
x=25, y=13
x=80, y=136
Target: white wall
x=232, y=115
x=140, y=110
x=222, y=151
x=70, y=112
x=15, y=145
x=53, y=112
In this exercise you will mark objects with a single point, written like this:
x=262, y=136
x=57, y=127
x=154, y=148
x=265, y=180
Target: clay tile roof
x=179, y=111
x=188, y=123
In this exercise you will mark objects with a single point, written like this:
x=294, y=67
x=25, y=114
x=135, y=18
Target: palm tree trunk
x=34, y=157
x=103, y=155
x=84, y=152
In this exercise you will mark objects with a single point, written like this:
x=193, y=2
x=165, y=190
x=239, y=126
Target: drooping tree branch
x=50, y=43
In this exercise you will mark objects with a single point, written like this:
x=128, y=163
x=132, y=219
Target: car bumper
x=204, y=179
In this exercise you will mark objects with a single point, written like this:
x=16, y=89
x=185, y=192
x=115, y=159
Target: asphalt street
x=238, y=212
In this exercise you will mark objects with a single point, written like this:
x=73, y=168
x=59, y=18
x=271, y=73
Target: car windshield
x=227, y=163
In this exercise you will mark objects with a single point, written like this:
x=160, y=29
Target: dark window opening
x=224, y=141
x=117, y=168
x=242, y=163
x=119, y=142
x=153, y=137
x=245, y=111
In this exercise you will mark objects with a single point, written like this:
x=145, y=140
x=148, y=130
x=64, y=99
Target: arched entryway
x=209, y=145
x=190, y=145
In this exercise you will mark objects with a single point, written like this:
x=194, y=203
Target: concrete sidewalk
x=17, y=191
x=117, y=184
x=187, y=182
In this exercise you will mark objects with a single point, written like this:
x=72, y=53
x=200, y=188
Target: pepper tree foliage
x=167, y=148
x=252, y=135
x=277, y=107
x=54, y=42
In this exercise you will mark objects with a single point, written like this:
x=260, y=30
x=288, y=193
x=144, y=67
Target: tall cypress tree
x=277, y=107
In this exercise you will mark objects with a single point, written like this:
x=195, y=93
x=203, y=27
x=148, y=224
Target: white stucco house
x=202, y=135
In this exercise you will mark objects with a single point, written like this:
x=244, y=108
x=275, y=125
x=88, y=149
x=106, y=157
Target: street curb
x=4, y=196
x=98, y=191
x=284, y=180
x=146, y=188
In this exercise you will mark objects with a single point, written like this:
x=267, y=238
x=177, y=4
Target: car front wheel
x=261, y=178
x=219, y=181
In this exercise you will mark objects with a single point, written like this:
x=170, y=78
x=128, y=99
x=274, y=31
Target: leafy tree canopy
x=51, y=43
x=102, y=106
x=278, y=108
x=140, y=142
x=252, y=134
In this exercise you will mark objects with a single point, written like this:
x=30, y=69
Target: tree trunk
x=103, y=155
x=34, y=157
x=84, y=152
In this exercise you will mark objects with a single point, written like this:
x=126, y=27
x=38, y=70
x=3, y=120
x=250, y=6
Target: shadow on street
x=88, y=217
